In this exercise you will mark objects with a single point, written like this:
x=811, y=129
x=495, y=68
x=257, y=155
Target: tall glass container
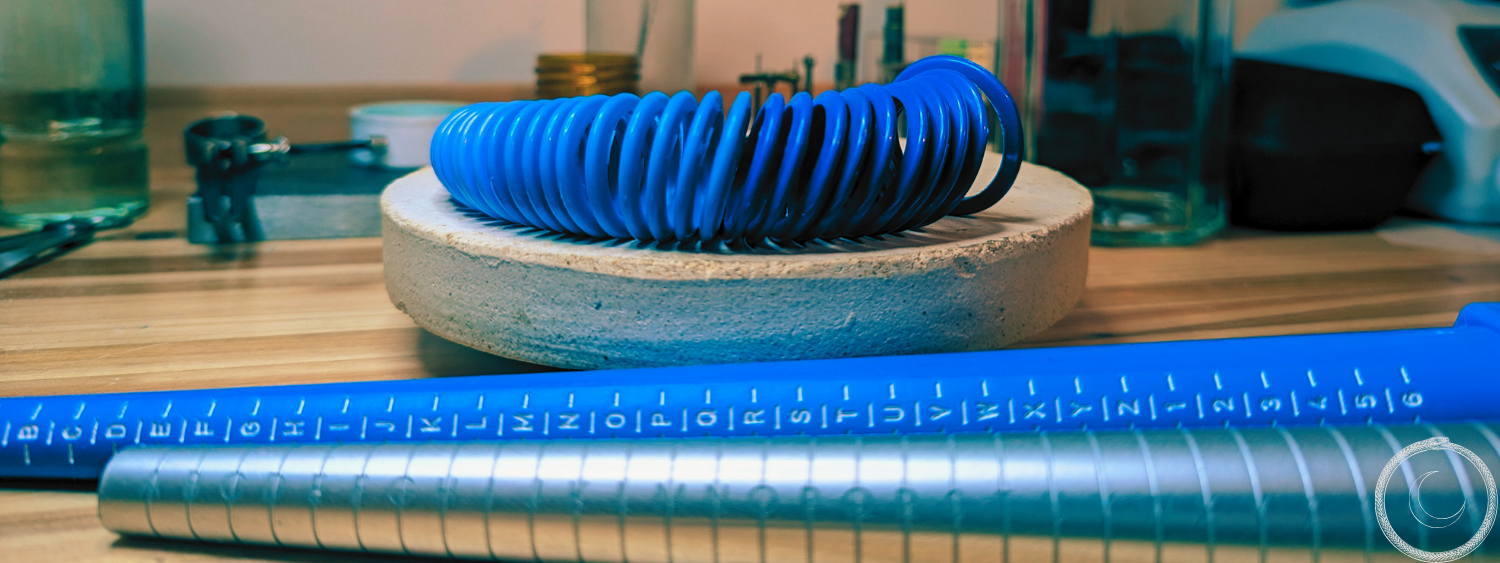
x=1134, y=106
x=71, y=79
x=658, y=32
x=1019, y=60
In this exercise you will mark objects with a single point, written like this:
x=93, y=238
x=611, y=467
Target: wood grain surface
x=141, y=309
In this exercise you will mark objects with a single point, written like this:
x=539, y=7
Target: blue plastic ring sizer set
x=670, y=168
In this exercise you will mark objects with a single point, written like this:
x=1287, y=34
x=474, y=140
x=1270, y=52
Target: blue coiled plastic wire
x=660, y=168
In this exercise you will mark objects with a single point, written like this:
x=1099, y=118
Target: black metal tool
x=23, y=251
x=228, y=151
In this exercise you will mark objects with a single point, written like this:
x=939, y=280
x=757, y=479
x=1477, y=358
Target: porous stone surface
x=963, y=283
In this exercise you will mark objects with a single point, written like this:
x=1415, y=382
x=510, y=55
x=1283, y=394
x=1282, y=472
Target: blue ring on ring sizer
x=1012, y=141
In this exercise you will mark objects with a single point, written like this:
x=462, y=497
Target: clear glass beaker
x=72, y=75
x=659, y=33
x=1134, y=106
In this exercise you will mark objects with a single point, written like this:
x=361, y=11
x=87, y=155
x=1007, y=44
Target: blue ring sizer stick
x=1439, y=374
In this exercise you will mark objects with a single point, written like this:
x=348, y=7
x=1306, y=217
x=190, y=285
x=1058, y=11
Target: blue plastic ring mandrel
x=1400, y=376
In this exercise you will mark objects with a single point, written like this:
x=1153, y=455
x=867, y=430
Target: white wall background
x=353, y=41
x=203, y=42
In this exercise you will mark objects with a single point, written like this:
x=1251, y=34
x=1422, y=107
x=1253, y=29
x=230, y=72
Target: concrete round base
x=963, y=283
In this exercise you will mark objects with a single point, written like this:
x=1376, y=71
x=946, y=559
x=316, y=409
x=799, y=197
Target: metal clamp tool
x=228, y=150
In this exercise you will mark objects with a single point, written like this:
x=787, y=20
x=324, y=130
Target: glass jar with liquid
x=1130, y=98
x=72, y=75
x=659, y=33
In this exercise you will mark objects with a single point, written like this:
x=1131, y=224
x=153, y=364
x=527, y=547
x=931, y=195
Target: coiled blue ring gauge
x=672, y=168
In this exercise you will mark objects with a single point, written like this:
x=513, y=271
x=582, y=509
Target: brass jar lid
x=566, y=75
x=580, y=63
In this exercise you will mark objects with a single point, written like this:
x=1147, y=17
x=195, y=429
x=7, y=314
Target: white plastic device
x=1420, y=45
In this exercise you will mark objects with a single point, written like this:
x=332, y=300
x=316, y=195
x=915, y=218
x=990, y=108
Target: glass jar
x=659, y=33
x=72, y=75
x=1135, y=106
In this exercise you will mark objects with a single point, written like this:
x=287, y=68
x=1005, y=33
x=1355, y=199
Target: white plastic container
x=407, y=127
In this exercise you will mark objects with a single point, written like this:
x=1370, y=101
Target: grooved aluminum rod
x=1204, y=495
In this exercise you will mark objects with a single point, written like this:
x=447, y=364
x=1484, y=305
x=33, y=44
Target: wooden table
x=141, y=309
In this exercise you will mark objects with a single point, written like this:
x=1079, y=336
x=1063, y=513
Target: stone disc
x=963, y=283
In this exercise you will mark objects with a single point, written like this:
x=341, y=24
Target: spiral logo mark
x=1434, y=444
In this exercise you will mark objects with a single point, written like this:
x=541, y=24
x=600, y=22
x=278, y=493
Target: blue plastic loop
x=673, y=169
x=1012, y=143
